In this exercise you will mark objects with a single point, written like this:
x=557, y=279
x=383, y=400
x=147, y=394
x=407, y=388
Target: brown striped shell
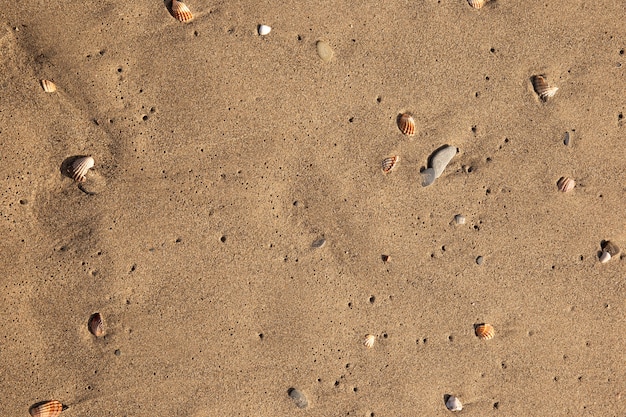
x=565, y=184
x=542, y=88
x=477, y=4
x=96, y=325
x=48, y=86
x=389, y=164
x=406, y=124
x=485, y=331
x=79, y=168
x=47, y=409
x=181, y=11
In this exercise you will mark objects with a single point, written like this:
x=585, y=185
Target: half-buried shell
x=485, y=331
x=477, y=4
x=406, y=124
x=565, y=184
x=370, y=339
x=48, y=86
x=96, y=325
x=181, y=11
x=80, y=167
x=389, y=164
x=47, y=409
x=542, y=88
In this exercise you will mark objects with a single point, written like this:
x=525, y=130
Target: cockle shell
x=80, y=167
x=181, y=12
x=485, y=331
x=96, y=325
x=565, y=184
x=264, y=30
x=454, y=404
x=542, y=88
x=48, y=86
x=389, y=164
x=406, y=124
x=47, y=409
x=477, y=4
x=369, y=341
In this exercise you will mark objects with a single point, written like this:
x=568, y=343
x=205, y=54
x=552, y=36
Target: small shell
x=485, y=331
x=406, y=124
x=369, y=341
x=47, y=409
x=389, y=164
x=298, y=397
x=181, y=12
x=610, y=247
x=48, y=86
x=454, y=404
x=565, y=184
x=96, y=325
x=459, y=219
x=477, y=4
x=80, y=167
x=324, y=51
x=318, y=243
x=385, y=258
x=605, y=257
x=542, y=88
x=264, y=30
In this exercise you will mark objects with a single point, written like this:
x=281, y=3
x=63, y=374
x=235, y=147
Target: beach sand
x=221, y=156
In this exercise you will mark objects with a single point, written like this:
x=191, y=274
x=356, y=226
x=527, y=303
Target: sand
x=221, y=156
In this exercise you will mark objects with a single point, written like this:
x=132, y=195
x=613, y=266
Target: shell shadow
x=66, y=165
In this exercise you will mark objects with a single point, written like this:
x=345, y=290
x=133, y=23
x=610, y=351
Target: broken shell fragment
x=459, y=219
x=96, y=325
x=542, y=88
x=389, y=164
x=477, y=4
x=605, y=257
x=80, y=167
x=485, y=331
x=47, y=409
x=48, y=86
x=324, y=50
x=454, y=404
x=264, y=30
x=298, y=397
x=181, y=11
x=406, y=124
x=565, y=184
x=369, y=341
x=610, y=248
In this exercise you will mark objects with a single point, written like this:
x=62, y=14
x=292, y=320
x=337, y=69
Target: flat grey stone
x=428, y=177
x=441, y=159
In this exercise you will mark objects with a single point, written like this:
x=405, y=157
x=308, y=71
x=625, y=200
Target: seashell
x=428, y=177
x=181, y=12
x=389, y=163
x=459, y=219
x=318, y=243
x=80, y=167
x=96, y=325
x=369, y=341
x=441, y=159
x=406, y=124
x=48, y=86
x=477, y=4
x=47, y=409
x=385, y=258
x=324, y=50
x=485, y=331
x=610, y=248
x=453, y=403
x=542, y=88
x=298, y=397
x=565, y=184
x=605, y=257
x=264, y=30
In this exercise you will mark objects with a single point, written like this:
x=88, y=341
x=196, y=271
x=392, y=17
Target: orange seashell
x=565, y=184
x=389, y=164
x=406, y=124
x=542, y=88
x=96, y=325
x=477, y=4
x=47, y=409
x=181, y=12
x=48, y=86
x=485, y=331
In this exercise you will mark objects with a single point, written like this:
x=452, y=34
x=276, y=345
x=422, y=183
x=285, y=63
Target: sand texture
x=222, y=156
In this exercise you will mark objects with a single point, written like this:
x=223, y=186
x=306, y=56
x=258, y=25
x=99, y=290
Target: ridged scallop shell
x=48, y=86
x=181, y=12
x=96, y=325
x=485, y=331
x=80, y=167
x=565, y=184
x=542, y=88
x=48, y=409
x=389, y=164
x=610, y=248
x=369, y=341
x=406, y=124
x=477, y=4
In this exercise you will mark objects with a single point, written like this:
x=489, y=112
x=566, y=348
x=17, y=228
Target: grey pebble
x=442, y=158
x=567, y=140
x=428, y=177
x=298, y=397
x=479, y=260
x=319, y=243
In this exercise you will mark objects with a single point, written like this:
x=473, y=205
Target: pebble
x=459, y=219
x=441, y=159
x=428, y=177
x=318, y=243
x=298, y=397
x=264, y=30
x=568, y=139
x=324, y=50
x=454, y=404
x=479, y=260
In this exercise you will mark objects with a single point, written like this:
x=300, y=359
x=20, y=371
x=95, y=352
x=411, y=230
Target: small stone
x=298, y=397
x=479, y=260
x=453, y=403
x=441, y=159
x=117, y=352
x=324, y=51
x=459, y=219
x=264, y=30
x=385, y=258
x=319, y=243
x=568, y=139
x=428, y=177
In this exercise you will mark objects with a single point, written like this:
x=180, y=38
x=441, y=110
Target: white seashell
x=454, y=404
x=477, y=4
x=264, y=30
x=441, y=159
x=324, y=51
x=369, y=341
x=543, y=90
x=80, y=167
x=605, y=257
x=48, y=86
x=181, y=11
